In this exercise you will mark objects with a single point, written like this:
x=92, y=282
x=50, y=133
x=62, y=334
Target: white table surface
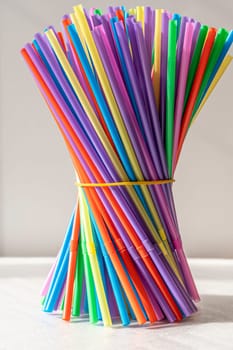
x=24, y=326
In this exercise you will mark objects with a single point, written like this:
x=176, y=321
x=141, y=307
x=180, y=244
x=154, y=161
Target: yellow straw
x=225, y=63
x=80, y=34
x=102, y=136
x=157, y=55
x=132, y=12
x=140, y=16
x=94, y=261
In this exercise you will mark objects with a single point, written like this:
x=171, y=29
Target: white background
x=37, y=181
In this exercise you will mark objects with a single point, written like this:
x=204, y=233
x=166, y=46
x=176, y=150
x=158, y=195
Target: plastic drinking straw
x=48, y=305
x=118, y=166
x=179, y=48
x=182, y=78
x=129, y=111
x=62, y=304
x=72, y=265
x=184, y=264
x=132, y=12
x=92, y=309
x=90, y=91
x=91, y=250
x=111, y=298
x=113, y=277
x=151, y=100
x=120, y=15
x=225, y=63
x=26, y=57
x=78, y=283
x=170, y=92
x=196, y=31
x=108, y=93
x=195, y=88
x=98, y=12
x=157, y=56
x=163, y=72
x=147, y=29
x=46, y=284
x=176, y=17
x=225, y=49
x=61, y=297
x=85, y=304
x=195, y=60
x=124, y=255
x=102, y=274
x=80, y=34
x=61, y=39
x=121, y=64
x=140, y=17
x=104, y=233
x=214, y=55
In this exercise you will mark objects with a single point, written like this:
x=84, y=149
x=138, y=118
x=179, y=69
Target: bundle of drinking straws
x=124, y=88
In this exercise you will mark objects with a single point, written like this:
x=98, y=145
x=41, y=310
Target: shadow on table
x=212, y=309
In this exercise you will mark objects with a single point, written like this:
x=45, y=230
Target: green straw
x=98, y=12
x=63, y=303
x=78, y=283
x=214, y=55
x=89, y=281
x=195, y=61
x=170, y=92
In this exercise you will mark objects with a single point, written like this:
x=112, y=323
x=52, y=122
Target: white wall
x=37, y=191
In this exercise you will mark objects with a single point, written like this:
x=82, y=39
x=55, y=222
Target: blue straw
x=60, y=270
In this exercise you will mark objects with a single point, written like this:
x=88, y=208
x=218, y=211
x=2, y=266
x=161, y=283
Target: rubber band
x=125, y=183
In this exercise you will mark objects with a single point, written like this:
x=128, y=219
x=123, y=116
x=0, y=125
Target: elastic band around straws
x=126, y=183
